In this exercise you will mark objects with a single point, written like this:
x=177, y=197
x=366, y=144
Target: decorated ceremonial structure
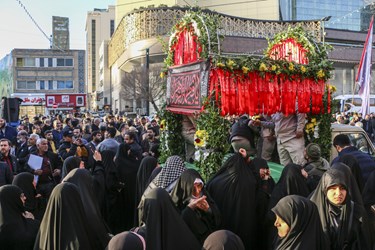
x=206, y=84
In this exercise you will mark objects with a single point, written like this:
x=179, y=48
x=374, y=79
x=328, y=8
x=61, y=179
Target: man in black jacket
x=6, y=156
x=50, y=169
x=22, y=151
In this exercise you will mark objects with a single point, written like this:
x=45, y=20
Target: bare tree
x=138, y=85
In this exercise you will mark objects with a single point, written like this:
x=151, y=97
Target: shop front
x=65, y=103
x=32, y=104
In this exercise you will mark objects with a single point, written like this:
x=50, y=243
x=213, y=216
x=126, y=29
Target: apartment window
x=26, y=85
x=50, y=62
x=42, y=85
x=20, y=62
x=41, y=62
x=64, y=84
x=50, y=84
x=112, y=28
x=29, y=62
x=62, y=62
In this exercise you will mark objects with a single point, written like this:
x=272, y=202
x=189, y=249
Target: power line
x=37, y=25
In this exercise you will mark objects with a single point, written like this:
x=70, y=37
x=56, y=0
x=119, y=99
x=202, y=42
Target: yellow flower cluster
x=200, y=138
x=262, y=67
x=320, y=74
x=163, y=125
x=303, y=69
x=331, y=88
x=310, y=127
x=245, y=69
x=291, y=66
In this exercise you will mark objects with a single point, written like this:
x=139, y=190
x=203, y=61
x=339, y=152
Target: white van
x=353, y=103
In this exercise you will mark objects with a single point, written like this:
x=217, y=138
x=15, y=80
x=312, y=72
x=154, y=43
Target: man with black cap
x=315, y=166
x=68, y=147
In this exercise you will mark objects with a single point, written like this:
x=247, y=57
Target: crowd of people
x=99, y=185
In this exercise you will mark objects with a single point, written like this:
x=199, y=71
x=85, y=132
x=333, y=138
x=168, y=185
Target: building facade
x=48, y=80
x=100, y=25
x=259, y=9
x=345, y=14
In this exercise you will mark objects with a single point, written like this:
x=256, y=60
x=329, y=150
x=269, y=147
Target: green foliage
x=324, y=132
x=172, y=142
x=217, y=128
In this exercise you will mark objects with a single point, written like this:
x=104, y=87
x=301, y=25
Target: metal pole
x=148, y=81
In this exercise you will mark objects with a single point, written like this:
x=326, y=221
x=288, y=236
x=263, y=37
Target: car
x=357, y=136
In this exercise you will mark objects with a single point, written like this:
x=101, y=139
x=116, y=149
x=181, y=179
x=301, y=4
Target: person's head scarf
x=148, y=164
x=302, y=217
x=223, y=239
x=83, y=180
x=16, y=232
x=65, y=224
x=344, y=213
x=353, y=164
x=25, y=182
x=352, y=186
x=127, y=240
x=291, y=182
x=69, y=164
x=234, y=189
x=165, y=228
x=173, y=168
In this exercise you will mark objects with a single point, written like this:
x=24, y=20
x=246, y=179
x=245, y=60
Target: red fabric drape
x=186, y=50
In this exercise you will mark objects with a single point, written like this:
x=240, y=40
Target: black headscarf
x=25, y=182
x=234, y=190
x=353, y=164
x=291, y=182
x=148, y=164
x=223, y=239
x=266, y=185
x=127, y=240
x=350, y=181
x=351, y=230
x=369, y=201
x=16, y=232
x=82, y=179
x=69, y=164
x=201, y=223
x=305, y=229
x=165, y=228
x=64, y=225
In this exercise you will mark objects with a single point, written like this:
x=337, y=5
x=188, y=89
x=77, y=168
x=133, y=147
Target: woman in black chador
x=16, y=231
x=83, y=180
x=234, y=189
x=121, y=184
x=148, y=164
x=197, y=208
x=344, y=222
x=65, y=225
x=291, y=182
x=369, y=203
x=33, y=202
x=298, y=224
x=165, y=229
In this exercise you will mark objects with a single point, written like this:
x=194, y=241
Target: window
x=42, y=85
x=50, y=84
x=41, y=62
x=26, y=85
x=29, y=62
x=64, y=84
x=61, y=62
x=19, y=62
x=112, y=28
x=50, y=62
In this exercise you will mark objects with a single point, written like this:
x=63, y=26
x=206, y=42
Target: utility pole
x=148, y=81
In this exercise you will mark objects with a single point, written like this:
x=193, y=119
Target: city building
x=100, y=25
x=258, y=9
x=47, y=80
